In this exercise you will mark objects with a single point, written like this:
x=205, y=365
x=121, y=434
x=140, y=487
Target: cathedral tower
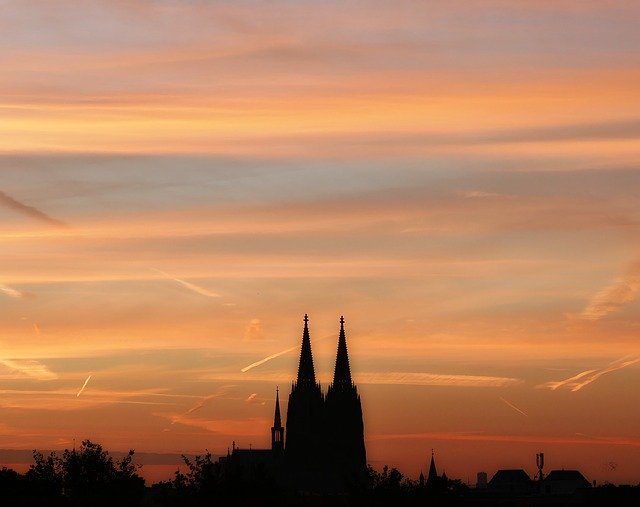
x=305, y=443
x=345, y=429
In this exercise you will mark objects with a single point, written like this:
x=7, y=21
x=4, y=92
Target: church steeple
x=433, y=473
x=306, y=373
x=277, y=421
x=342, y=374
x=277, y=431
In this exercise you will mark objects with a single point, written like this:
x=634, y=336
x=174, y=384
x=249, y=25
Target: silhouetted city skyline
x=182, y=181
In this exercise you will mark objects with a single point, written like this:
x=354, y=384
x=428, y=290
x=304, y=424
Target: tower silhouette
x=305, y=449
x=322, y=450
x=277, y=431
x=432, y=478
x=345, y=428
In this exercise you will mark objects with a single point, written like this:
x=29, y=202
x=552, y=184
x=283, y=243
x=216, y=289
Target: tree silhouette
x=87, y=476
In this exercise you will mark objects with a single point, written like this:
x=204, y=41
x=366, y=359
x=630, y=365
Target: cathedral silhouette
x=322, y=450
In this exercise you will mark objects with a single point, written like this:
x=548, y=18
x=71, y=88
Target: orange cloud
x=613, y=298
x=585, y=378
x=29, y=368
x=28, y=211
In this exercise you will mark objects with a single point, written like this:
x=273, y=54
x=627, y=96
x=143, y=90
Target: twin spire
x=306, y=373
x=342, y=374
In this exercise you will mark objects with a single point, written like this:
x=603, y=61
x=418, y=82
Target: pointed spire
x=277, y=431
x=277, y=421
x=342, y=375
x=306, y=374
x=433, y=473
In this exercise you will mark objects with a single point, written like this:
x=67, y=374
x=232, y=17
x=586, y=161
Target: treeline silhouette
x=89, y=476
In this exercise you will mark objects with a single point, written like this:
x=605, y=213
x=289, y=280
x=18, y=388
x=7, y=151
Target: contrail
x=268, y=358
x=83, y=386
x=29, y=211
x=220, y=392
x=201, y=403
x=11, y=292
x=278, y=354
x=191, y=286
x=585, y=378
x=514, y=407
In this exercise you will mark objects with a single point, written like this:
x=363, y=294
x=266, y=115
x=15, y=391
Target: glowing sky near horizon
x=181, y=181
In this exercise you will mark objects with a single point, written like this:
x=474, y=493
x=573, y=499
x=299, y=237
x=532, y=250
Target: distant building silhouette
x=511, y=481
x=564, y=482
x=323, y=447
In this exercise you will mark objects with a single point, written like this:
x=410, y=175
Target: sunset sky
x=181, y=181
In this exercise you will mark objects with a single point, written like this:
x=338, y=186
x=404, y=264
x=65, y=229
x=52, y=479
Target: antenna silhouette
x=540, y=465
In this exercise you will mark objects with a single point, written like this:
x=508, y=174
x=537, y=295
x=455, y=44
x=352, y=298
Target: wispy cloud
x=435, y=379
x=509, y=404
x=577, y=439
x=253, y=330
x=612, y=298
x=28, y=211
x=232, y=427
x=83, y=386
x=479, y=194
x=204, y=401
x=30, y=368
x=191, y=286
x=11, y=292
x=585, y=378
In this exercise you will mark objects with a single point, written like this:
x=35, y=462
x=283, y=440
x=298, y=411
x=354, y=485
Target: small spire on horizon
x=433, y=473
x=277, y=431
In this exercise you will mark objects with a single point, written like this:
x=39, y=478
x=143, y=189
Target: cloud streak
x=191, y=286
x=11, y=292
x=219, y=393
x=83, y=386
x=509, y=404
x=278, y=354
x=613, y=298
x=577, y=439
x=29, y=211
x=29, y=368
x=268, y=358
x=435, y=379
x=587, y=377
